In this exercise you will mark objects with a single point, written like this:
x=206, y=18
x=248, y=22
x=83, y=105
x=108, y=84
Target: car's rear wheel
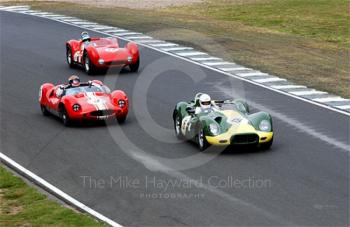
x=201, y=140
x=135, y=67
x=64, y=117
x=69, y=57
x=44, y=110
x=88, y=66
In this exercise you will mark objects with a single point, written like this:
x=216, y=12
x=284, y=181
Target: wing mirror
x=190, y=110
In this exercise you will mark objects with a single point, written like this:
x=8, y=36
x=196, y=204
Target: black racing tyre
x=88, y=65
x=135, y=67
x=44, y=111
x=65, y=117
x=177, y=127
x=121, y=120
x=267, y=145
x=69, y=57
x=201, y=140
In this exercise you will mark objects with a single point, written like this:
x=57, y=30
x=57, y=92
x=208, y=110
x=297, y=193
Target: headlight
x=214, y=128
x=265, y=126
x=121, y=103
x=129, y=59
x=101, y=61
x=76, y=107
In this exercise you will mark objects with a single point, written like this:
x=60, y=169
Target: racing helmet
x=74, y=81
x=85, y=36
x=205, y=101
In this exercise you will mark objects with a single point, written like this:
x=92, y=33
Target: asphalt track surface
x=306, y=173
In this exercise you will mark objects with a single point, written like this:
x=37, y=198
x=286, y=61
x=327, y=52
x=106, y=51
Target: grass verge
x=306, y=42
x=22, y=205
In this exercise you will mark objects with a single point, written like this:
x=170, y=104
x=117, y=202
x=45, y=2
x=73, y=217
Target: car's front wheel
x=135, y=67
x=201, y=140
x=64, y=117
x=121, y=120
x=44, y=110
x=88, y=66
x=69, y=57
x=177, y=127
x=267, y=145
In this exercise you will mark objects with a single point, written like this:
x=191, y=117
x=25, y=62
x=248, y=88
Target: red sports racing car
x=99, y=54
x=88, y=101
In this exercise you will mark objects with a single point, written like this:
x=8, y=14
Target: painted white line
x=345, y=107
x=15, y=7
x=128, y=33
x=55, y=190
x=164, y=45
x=252, y=74
x=309, y=92
x=102, y=27
x=218, y=63
x=42, y=14
x=177, y=48
x=144, y=42
x=206, y=59
x=184, y=56
x=234, y=69
x=330, y=99
x=287, y=86
x=193, y=53
x=268, y=80
x=83, y=22
x=116, y=30
x=138, y=37
x=54, y=15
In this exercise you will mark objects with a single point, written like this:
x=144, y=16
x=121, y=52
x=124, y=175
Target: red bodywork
x=93, y=105
x=103, y=53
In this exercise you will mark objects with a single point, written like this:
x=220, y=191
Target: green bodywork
x=216, y=116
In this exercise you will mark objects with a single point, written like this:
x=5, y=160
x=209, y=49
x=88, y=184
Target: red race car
x=99, y=54
x=77, y=101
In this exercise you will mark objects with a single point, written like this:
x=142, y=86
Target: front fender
x=256, y=118
x=93, y=54
x=121, y=95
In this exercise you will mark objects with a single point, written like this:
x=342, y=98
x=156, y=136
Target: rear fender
x=180, y=109
x=134, y=51
x=43, y=93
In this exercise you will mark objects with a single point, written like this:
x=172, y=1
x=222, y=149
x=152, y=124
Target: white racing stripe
x=54, y=190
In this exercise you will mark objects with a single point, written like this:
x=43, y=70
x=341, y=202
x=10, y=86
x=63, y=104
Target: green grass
x=22, y=205
x=326, y=20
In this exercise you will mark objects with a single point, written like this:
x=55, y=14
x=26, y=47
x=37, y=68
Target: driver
x=204, y=103
x=73, y=81
x=85, y=37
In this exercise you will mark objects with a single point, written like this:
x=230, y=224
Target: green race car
x=222, y=123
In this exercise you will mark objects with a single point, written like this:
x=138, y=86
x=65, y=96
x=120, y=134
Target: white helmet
x=205, y=101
